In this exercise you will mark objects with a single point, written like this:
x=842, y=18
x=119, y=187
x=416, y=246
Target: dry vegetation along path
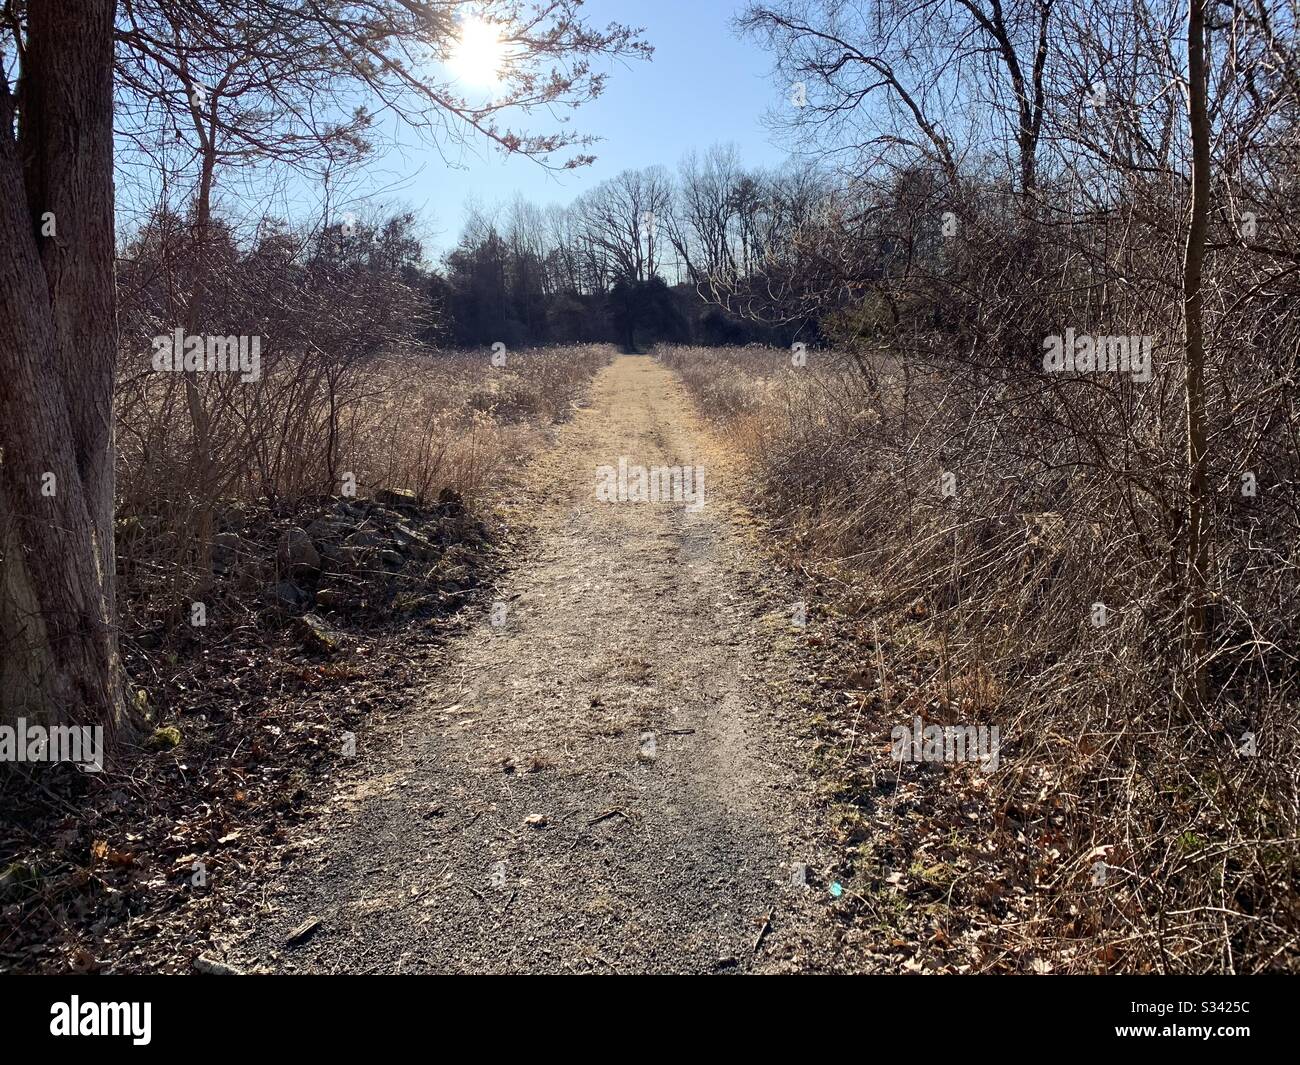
x=609, y=780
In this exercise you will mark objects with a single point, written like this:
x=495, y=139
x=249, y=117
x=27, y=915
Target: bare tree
x=625, y=220
x=875, y=80
x=1197, y=560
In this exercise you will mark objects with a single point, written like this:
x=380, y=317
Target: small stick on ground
x=762, y=932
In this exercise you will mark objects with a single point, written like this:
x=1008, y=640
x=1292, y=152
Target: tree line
x=641, y=257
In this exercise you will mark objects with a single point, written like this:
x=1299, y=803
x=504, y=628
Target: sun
x=478, y=55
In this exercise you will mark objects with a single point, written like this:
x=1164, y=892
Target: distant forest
x=644, y=256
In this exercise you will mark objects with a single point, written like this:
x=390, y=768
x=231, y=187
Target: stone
x=329, y=598
x=315, y=634
x=225, y=549
x=412, y=542
x=287, y=594
x=296, y=553
x=213, y=967
x=325, y=529
x=396, y=497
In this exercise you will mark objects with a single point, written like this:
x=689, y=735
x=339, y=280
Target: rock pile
x=345, y=558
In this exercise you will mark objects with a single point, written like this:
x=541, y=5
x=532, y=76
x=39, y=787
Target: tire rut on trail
x=604, y=781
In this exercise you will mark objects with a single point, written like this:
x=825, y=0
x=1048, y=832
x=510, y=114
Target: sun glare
x=478, y=56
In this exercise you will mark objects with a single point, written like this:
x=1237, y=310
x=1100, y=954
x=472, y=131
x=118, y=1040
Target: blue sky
x=703, y=86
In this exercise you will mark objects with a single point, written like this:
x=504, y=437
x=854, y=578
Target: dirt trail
x=627, y=701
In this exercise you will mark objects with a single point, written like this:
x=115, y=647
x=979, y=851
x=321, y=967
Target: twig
x=762, y=932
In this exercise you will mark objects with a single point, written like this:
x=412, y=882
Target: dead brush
x=403, y=420
x=1034, y=597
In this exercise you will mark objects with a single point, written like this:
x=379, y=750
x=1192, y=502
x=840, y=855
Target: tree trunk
x=1197, y=557
x=59, y=659
x=202, y=465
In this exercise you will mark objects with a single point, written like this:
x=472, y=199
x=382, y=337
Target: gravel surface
x=611, y=778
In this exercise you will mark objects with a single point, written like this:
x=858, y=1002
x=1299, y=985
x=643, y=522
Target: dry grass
x=423, y=421
x=428, y=422
x=984, y=604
